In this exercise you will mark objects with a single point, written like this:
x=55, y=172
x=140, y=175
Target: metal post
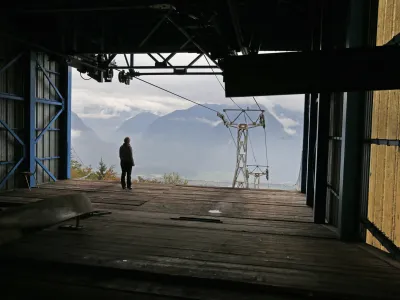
x=312, y=120
x=241, y=178
x=304, y=153
x=353, y=124
x=29, y=164
x=321, y=158
x=65, y=125
x=312, y=130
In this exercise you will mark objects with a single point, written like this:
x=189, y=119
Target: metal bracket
x=77, y=225
x=385, y=142
x=395, y=41
x=382, y=238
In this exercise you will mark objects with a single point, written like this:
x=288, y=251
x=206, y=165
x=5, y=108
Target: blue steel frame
x=11, y=97
x=30, y=139
x=39, y=67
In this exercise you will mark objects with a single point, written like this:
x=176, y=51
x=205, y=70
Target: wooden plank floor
x=264, y=239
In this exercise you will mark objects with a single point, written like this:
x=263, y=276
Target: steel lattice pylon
x=257, y=172
x=241, y=177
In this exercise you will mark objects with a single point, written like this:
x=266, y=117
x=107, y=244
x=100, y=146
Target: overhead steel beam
x=338, y=70
x=160, y=22
x=165, y=67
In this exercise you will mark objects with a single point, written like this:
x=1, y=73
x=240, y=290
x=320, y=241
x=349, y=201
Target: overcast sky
x=102, y=100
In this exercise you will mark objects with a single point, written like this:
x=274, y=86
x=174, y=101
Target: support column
x=304, y=153
x=312, y=130
x=29, y=164
x=65, y=125
x=358, y=31
x=321, y=158
x=312, y=120
x=350, y=165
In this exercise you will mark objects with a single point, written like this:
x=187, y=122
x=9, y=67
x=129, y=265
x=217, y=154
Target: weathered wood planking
x=263, y=239
x=383, y=208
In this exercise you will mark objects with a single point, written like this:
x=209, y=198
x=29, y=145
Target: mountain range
x=195, y=143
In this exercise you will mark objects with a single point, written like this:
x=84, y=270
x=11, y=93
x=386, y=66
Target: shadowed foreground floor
x=182, y=242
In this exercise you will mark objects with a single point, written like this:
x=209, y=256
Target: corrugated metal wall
x=12, y=113
x=48, y=146
x=384, y=184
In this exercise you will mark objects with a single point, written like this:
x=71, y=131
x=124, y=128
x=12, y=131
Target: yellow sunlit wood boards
x=384, y=186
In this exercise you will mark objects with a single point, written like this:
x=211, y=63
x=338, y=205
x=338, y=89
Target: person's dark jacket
x=125, y=154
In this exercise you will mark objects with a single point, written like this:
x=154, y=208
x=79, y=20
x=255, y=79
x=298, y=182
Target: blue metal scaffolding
x=32, y=135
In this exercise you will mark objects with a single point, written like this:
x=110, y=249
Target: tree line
x=104, y=172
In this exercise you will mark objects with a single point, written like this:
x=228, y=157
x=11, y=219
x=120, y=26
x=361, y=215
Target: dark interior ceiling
x=218, y=27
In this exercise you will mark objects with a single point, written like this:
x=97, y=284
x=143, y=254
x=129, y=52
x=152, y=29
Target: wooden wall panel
x=384, y=185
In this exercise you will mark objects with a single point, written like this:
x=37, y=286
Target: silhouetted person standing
x=126, y=157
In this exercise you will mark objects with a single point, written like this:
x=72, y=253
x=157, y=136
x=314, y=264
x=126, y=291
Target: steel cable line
x=80, y=160
x=184, y=98
x=220, y=83
x=251, y=145
x=265, y=136
x=76, y=153
x=179, y=96
x=222, y=86
x=259, y=107
x=233, y=139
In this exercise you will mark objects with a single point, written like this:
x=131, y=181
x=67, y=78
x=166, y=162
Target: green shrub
x=170, y=178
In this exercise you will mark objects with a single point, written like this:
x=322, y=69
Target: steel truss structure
x=257, y=172
x=241, y=176
x=100, y=67
x=32, y=135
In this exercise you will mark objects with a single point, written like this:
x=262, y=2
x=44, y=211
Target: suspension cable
x=233, y=139
x=251, y=145
x=265, y=135
x=252, y=150
x=80, y=160
x=184, y=98
x=220, y=83
x=259, y=107
x=179, y=96
x=266, y=147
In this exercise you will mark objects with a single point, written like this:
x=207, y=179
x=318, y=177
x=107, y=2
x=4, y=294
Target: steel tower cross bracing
x=257, y=171
x=241, y=177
